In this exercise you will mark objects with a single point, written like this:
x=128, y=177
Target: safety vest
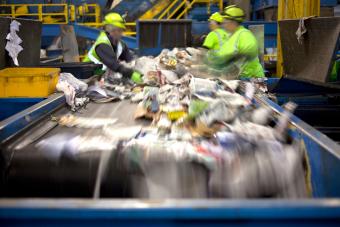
x=215, y=39
x=239, y=52
x=92, y=55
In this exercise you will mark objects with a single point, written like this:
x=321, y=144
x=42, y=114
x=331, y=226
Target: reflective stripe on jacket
x=215, y=39
x=102, y=39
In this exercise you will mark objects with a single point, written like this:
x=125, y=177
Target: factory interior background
x=169, y=112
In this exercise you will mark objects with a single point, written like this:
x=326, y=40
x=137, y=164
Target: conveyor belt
x=29, y=173
x=26, y=167
x=123, y=111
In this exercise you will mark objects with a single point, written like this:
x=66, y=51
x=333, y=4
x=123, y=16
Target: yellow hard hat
x=216, y=17
x=233, y=13
x=115, y=20
x=21, y=10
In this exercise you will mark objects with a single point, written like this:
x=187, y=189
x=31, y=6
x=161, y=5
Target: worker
x=216, y=38
x=82, y=11
x=109, y=49
x=239, y=54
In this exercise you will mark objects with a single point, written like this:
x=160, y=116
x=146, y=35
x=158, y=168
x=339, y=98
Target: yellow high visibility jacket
x=239, y=51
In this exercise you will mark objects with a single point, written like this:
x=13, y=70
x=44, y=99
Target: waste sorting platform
x=323, y=208
x=36, y=190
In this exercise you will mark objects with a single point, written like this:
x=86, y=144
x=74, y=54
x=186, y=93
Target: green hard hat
x=233, y=13
x=216, y=17
x=115, y=20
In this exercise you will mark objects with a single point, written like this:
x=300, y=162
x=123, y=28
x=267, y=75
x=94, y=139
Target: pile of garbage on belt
x=166, y=68
x=240, y=149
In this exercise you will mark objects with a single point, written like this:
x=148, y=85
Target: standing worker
x=239, y=54
x=109, y=49
x=216, y=38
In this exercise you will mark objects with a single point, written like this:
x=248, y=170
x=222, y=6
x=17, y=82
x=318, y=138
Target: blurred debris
x=73, y=89
x=207, y=136
x=82, y=122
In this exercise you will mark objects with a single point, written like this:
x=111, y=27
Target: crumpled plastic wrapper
x=13, y=42
x=253, y=131
x=71, y=87
x=77, y=84
x=216, y=112
x=146, y=64
x=145, y=150
x=107, y=93
x=68, y=90
x=202, y=86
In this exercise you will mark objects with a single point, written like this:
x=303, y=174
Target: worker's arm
x=228, y=51
x=109, y=58
x=210, y=40
x=222, y=56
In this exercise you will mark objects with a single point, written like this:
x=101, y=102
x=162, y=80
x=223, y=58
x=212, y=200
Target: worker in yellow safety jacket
x=216, y=38
x=239, y=54
x=109, y=50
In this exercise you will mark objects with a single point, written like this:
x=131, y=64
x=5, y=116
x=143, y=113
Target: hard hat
x=216, y=17
x=115, y=20
x=21, y=10
x=233, y=13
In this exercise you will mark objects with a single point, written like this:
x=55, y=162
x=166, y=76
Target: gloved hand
x=137, y=77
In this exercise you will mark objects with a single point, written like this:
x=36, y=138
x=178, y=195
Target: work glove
x=137, y=77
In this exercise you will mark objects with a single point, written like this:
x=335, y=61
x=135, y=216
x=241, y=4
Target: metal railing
x=173, y=10
x=87, y=14
x=58, y=12
x=54, y=13
x=187, y=8
x=167, y=10
x=90, y=14
x=131, y=27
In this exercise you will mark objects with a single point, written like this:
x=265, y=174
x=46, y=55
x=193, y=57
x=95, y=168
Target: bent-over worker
x=109, y=49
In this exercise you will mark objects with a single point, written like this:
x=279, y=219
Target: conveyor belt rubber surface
x=42, y=177
x=29, y=173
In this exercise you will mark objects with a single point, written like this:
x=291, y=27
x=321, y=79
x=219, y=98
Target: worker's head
x=114, y=24
x=215, y=21
x=233, y=16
